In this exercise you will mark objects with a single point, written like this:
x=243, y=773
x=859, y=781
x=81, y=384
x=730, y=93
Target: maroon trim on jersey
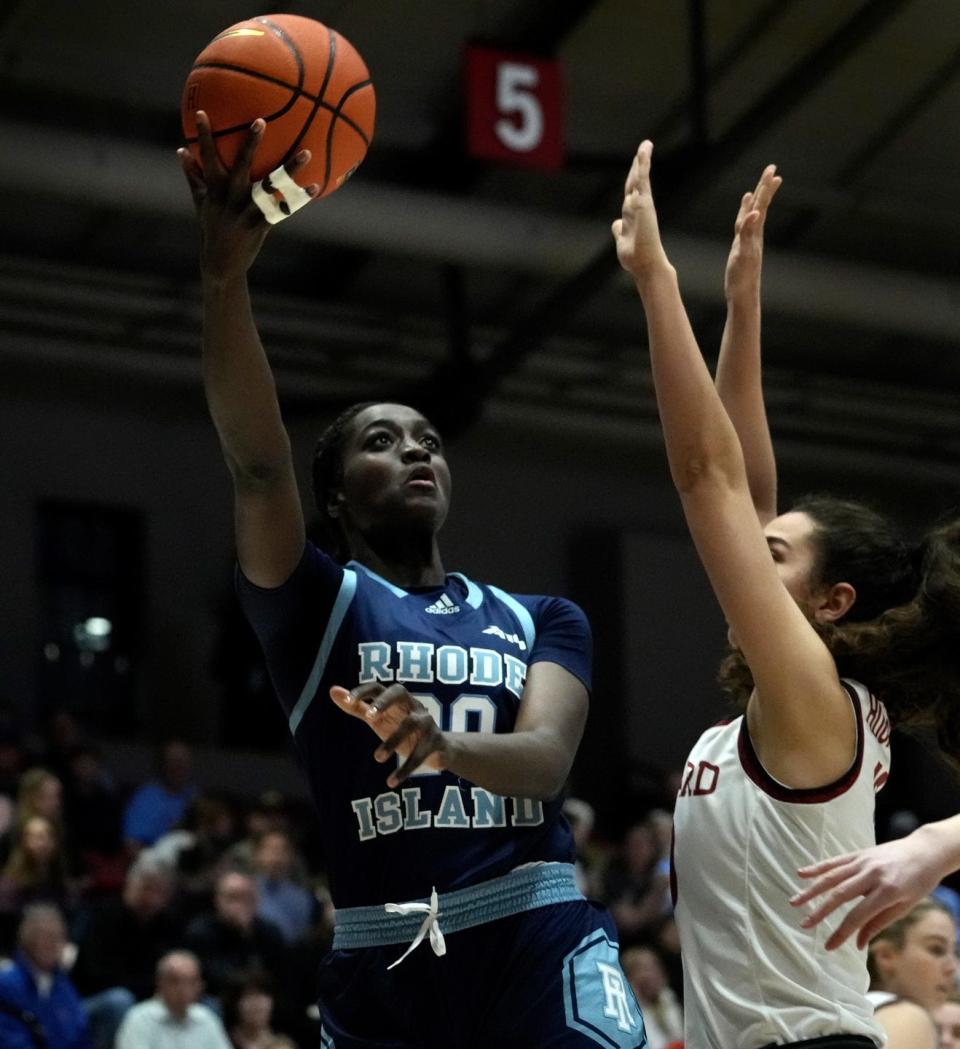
x=674, y=892
x=804, y=795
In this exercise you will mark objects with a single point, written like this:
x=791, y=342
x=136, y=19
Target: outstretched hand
x=890, y=877
x=636, y=232
x=746, y=253
x=232, y=226
x=402, y=722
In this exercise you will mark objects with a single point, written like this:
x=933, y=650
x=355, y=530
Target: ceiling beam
x=677, y=182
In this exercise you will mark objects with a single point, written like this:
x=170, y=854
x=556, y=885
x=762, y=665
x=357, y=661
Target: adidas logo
x=443, y=606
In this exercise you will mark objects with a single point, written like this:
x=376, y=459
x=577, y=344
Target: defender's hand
x=744, y=262
x=636, y=232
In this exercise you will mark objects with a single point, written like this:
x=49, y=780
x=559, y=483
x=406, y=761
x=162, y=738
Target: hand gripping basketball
x=278, y=196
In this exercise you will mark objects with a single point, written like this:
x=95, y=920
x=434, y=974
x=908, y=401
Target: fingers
x=767, y=187
x=389, y=697
x=208, y=151
x=348, y=702
x=193, y=174
x=848, y=890
x=835, y=875
x=881, y=921
x=240, y=173
x=815, y=869
x=426, y=745
x=639, y=174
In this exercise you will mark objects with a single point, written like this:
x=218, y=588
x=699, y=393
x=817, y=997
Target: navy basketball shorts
x=547, y=978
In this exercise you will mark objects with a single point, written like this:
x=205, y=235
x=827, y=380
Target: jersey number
x=467, y=713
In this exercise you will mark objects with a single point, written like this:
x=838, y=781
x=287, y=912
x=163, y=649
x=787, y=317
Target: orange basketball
x=307, y=82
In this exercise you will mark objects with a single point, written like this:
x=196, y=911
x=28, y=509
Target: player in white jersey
x=817, y=601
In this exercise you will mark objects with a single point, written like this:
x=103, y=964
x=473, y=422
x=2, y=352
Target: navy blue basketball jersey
x=463, y=650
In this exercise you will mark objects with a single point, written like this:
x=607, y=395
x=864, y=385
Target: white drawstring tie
x=430, y=925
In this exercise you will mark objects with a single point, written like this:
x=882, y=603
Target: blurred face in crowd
x=254, y=1009
x=274, y=856
x=39, y=840
x=85, y=769
x=236, y=900
x=640, y=848
x=645, y=972
x=47, y=798
x=178, y=982
x=947, y=1019
x=148, y=893
x=176, y=766
x=924, y=967
x=43, y=937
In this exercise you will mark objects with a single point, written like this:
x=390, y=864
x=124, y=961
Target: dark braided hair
x=328, y=474
x=901, y=636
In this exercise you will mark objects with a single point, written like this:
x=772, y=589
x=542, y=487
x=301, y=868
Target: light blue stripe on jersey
x=326, y=1042
x=348, y=587
x=392, y=587
x=474, y=593
x=526, y=620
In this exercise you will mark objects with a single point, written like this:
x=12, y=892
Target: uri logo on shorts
x=597, y=998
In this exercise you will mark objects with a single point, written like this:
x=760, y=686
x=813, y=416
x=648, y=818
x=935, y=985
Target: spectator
x=268, y=813
x=662, y=1016
x=174, y=1017
x=282, y=900
x=119, y=946
x=93, y=818
x=36, y=872
x=35, y=983
x=12, y=761
x=196, y=849
x=161, y=803
x=633, y=887
x=581, y=817
x=248, y=1011
x=233, y=939
x=947, y=1019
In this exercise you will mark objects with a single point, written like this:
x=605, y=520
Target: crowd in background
x=128, y=906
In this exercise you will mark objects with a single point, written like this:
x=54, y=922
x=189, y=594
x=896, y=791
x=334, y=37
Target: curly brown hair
x=901, y=637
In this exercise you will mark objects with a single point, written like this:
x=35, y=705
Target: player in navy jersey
x=436, y=718
x=832, y=617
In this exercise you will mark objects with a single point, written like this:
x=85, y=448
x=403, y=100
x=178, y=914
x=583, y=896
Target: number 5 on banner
x=514, y=108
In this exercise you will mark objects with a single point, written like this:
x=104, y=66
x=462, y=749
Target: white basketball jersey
x=752, y=975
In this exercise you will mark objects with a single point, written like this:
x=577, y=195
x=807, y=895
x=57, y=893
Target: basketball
x=306, y=81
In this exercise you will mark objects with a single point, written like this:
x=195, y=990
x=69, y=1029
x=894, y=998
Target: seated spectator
x=233, y=939
x=118, y=947
x=174, y=1017
x=634, y=888
x=282, y=900
x=662, y=1016
x=196, y=847
x=93, y=817
x=159, y=805
x=947, y=1019
x=39, y=793
x=248, y=1011
x=12, y=761
x=35, y=984
x=35, y=873
x=267, y=814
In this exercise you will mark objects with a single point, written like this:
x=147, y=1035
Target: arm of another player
x=890, y=878
x=532, y=761
x=739, y=377
x=801, y=720
x=239, y=386
x=907, y=1026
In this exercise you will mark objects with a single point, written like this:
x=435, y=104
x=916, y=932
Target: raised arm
x=738, y=378
x=239, y=385
x=800, y=719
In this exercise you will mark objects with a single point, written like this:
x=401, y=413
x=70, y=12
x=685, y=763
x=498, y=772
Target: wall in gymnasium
x=527, y=500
